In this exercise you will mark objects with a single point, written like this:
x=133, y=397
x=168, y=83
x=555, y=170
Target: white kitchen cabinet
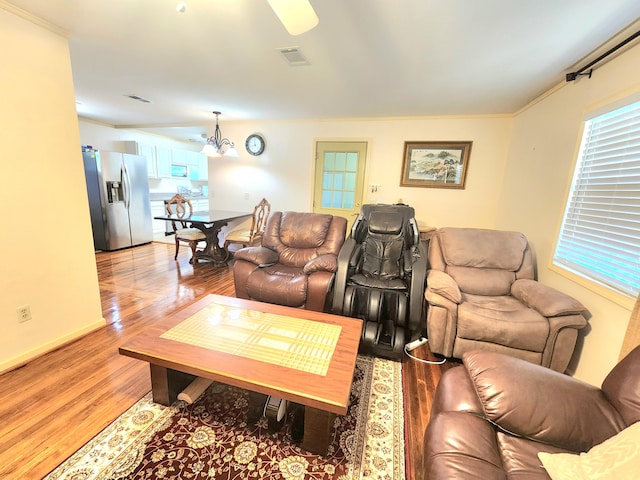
x=160, y=159
x=144, y=150
x=178, y=157
x=158, y=208
x=191, y=158
x=163, y=161
x=149, y=152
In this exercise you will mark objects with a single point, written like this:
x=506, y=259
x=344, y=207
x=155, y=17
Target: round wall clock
x=255, y=144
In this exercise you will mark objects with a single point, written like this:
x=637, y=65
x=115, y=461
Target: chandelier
x=217, y=146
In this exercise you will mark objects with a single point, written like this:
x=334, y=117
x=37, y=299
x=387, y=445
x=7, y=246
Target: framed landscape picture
x=435, y=164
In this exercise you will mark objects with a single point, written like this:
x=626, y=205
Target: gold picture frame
x=435, y=164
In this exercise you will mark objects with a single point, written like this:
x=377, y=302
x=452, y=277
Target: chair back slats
x=260, y=215
x=181, y=207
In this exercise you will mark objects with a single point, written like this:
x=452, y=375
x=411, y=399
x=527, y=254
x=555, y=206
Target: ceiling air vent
x=294, y=56
x=140, y=99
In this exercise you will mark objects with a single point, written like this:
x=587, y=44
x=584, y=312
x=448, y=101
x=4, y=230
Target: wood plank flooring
x=55, y=404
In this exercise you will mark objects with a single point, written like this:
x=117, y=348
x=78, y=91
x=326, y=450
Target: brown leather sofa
x=483, y=294
x=493, y=414
x=296, y=263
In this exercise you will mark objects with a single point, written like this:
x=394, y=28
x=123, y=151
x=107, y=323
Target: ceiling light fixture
x=297, y=16
x=217, y=146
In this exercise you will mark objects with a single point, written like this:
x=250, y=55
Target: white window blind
x=600, y=234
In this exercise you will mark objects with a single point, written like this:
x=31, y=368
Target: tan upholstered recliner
x=482, y=293
x=296, y=263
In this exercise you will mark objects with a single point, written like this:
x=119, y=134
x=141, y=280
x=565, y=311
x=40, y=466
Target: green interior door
x=339, y=179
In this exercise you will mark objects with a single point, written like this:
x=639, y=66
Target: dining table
x=209, y=222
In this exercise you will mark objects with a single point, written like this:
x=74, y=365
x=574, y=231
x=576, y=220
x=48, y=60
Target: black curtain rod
x=573, y=75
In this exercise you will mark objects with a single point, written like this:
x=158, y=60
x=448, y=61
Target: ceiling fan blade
x=297, y=16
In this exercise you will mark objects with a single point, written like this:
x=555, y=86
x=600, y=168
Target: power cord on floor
x=415, y=344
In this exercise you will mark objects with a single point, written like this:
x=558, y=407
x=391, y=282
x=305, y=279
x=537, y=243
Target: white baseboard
x=28, y=356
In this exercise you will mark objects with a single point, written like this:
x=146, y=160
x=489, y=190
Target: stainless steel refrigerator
x=118, y=191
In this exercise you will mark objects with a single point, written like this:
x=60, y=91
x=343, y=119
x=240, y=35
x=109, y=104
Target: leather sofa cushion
x=298, y=230
x=298, y=237
x=381, y=283
x=520, y=456
x=385, y=222
x=546, y=413
x=622, y=387
x=278, y=284
x=502, y=320
x=382, y=258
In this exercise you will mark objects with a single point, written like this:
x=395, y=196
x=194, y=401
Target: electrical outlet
x=246, y=196
x=24, y=313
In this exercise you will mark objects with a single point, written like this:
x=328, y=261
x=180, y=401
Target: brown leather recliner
x=296, y=263
x=492, y=415
x=482, y=293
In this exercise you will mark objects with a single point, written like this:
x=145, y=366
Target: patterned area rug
x=210, y=439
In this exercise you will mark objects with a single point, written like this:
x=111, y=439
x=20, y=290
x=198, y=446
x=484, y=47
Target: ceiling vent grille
x=294, y=56
x=139, y=99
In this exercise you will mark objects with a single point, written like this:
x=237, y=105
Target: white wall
x=47, y=249
x=284, y=173
x=543, y=151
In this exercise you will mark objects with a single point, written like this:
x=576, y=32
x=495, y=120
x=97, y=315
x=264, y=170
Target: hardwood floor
x=55, y=404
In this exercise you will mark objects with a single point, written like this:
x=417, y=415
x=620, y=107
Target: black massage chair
x=381, y=274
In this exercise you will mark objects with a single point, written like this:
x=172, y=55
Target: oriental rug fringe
x=210, y=439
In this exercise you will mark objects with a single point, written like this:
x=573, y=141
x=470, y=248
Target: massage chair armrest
x=418, y=275
x=546, y=300
x=260, y=256
x=415, y=259
x=322, y=263
x=345, y=266
x=540, y=404
x=444, y=285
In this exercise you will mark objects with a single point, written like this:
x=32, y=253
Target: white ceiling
x=368, y=58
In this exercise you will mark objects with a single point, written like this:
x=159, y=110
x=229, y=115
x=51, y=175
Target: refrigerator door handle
x=126, y=182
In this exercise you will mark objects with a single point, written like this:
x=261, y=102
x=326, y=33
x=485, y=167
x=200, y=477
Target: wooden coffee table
x=299, y=355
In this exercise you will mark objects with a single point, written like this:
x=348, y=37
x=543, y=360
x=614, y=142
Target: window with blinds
x=600, y=234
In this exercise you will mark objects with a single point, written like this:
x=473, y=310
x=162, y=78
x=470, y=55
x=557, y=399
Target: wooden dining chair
x=251, y=236
x=182, y=208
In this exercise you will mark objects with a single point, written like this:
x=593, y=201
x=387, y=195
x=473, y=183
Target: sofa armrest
x=540, y=404
x=260, y=256
x=444, y=285
x=322, y=263
x=546, y=300
x=460, y=446
x=455, y=393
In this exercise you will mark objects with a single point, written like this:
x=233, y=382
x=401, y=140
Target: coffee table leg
x=166, y=384
x=318, y=430
x=256, y=407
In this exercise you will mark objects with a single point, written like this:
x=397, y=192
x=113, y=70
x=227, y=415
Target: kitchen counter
x=161, y=196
